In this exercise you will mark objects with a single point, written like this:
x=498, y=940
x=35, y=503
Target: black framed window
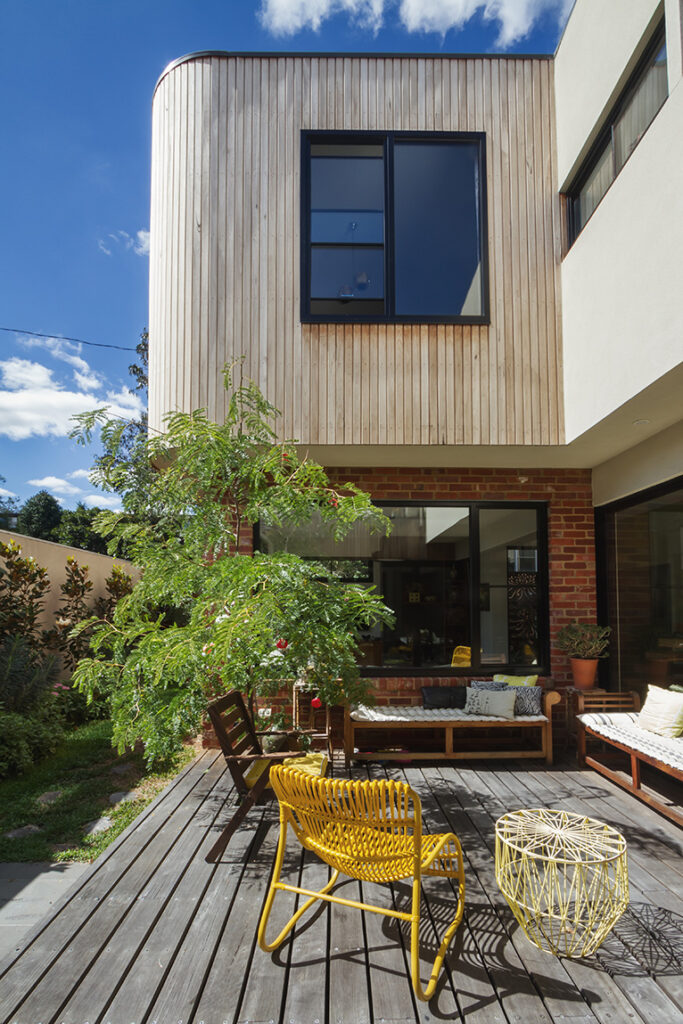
x=628, y=121
x=639, y=547
x=467, y=583
x=394, y=227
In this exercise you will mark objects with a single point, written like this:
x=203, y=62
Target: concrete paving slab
x=27, y=891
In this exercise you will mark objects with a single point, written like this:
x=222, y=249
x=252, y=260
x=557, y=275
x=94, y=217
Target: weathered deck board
x=153, y=935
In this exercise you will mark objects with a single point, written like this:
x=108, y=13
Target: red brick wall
x=571, y=535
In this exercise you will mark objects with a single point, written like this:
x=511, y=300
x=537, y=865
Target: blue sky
x=76, y=84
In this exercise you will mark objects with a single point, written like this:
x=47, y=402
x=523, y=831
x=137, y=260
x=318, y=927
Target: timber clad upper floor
x=384, y=238
x=226, y=259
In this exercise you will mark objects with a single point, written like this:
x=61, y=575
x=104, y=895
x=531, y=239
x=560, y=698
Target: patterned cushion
x=527, y=698
x=500, y=703
x=443, y=696
x=516, y=680
x=662, y=712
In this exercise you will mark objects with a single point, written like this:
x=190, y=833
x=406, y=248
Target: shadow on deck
x=152, y=934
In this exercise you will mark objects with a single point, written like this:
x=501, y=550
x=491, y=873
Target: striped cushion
x=622, y=727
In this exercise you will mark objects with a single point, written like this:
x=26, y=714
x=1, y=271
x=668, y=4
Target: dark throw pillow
x=444, y=696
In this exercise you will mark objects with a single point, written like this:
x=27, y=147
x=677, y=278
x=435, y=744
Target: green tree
x=123, y=459
x=76, y=528
x=203, y=618
x=9, y=508
x=40, y=516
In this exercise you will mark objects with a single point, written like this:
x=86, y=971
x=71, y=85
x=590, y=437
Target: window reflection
x=645, y=592
x=509, y=587
x=436, y=224
x=424, y=572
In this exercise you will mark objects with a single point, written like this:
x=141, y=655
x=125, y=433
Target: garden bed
x=77, y=784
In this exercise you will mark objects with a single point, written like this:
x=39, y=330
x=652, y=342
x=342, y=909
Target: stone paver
x=123, y=797
x=27, y=891
x=51, y=797
x=93, y=828
x=25, y=830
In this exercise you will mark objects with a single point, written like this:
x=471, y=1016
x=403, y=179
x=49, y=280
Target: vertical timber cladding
x=225, y=251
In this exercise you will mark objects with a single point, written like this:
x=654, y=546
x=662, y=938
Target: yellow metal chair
x=371, y=831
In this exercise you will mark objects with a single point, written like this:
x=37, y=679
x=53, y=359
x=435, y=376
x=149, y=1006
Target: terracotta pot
x=584, y=671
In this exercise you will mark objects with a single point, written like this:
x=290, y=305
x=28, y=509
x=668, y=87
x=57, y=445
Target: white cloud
x=18, y=374
x=55, y=483
x=103, y=501
x=7, y=494
x=128, y=400
x=285, y=17
x=67, y=352
x=79, y=474
x=122, y=240
x=43, y=409
x=88, y=381
x=141, y=245
x=515, y=18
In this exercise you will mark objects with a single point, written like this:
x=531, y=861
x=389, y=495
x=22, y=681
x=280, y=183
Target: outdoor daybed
x=448, y=725
x=614, y=718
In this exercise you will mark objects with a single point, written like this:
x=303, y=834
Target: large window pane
x=645, y=593
x=436, y=225
x=424, y=572
x=509, y=591
x=640, y=109
x=594, y=188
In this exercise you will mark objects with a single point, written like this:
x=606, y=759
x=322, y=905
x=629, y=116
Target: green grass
x=81, y=770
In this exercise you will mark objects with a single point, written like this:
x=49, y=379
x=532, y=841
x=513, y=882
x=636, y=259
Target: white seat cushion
x=622, y=726
x=363, y=713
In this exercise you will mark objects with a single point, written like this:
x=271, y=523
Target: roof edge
x=278, y=54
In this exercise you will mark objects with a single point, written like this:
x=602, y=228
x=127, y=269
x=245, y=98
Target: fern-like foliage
x=205, y=617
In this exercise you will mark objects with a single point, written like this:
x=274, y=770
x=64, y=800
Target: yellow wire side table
x=564, y=876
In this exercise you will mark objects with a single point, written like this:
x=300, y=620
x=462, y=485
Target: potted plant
x=585, y=643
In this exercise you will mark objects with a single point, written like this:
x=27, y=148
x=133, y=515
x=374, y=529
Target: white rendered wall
x=599, y=48
x=622, y=280
x=655, y=461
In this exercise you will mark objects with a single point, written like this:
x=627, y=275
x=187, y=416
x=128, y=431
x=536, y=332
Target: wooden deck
x=152, y=934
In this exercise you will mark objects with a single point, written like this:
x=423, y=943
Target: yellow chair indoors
x=371, y=831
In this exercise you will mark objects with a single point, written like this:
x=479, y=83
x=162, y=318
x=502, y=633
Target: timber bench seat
x=448, y=723
x=612, y=718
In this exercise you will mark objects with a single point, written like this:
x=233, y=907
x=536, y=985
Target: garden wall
x=53, y=557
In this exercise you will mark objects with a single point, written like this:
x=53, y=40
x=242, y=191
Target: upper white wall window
x=630, y=118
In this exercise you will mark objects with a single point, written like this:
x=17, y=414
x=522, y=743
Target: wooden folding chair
x=248, y=764
x=371, y=831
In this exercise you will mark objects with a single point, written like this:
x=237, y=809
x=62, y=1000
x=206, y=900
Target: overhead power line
x=79, y=341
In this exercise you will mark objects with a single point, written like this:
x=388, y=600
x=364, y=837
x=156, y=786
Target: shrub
x=26, y=738
x=27, y=677
x=23, y=585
